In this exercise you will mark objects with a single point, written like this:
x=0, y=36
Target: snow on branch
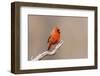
x=45, y=53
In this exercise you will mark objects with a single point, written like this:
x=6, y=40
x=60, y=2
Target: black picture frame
x=15, y=37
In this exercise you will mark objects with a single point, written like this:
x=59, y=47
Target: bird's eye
x=58, y=30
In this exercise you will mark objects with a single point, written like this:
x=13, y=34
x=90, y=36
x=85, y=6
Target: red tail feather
x=49, y=46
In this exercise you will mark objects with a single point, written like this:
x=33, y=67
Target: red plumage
x=54, y=37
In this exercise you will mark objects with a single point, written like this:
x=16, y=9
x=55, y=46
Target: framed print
x=52, y=37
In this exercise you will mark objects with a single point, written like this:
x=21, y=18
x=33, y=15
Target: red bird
x=54, y=37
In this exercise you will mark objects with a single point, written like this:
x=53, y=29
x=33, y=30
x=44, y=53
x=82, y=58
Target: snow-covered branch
x=45, y=53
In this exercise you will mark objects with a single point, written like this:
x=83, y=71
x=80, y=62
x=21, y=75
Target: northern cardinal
x=54, y=37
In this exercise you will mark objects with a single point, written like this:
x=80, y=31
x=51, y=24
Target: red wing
x=48, y=39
